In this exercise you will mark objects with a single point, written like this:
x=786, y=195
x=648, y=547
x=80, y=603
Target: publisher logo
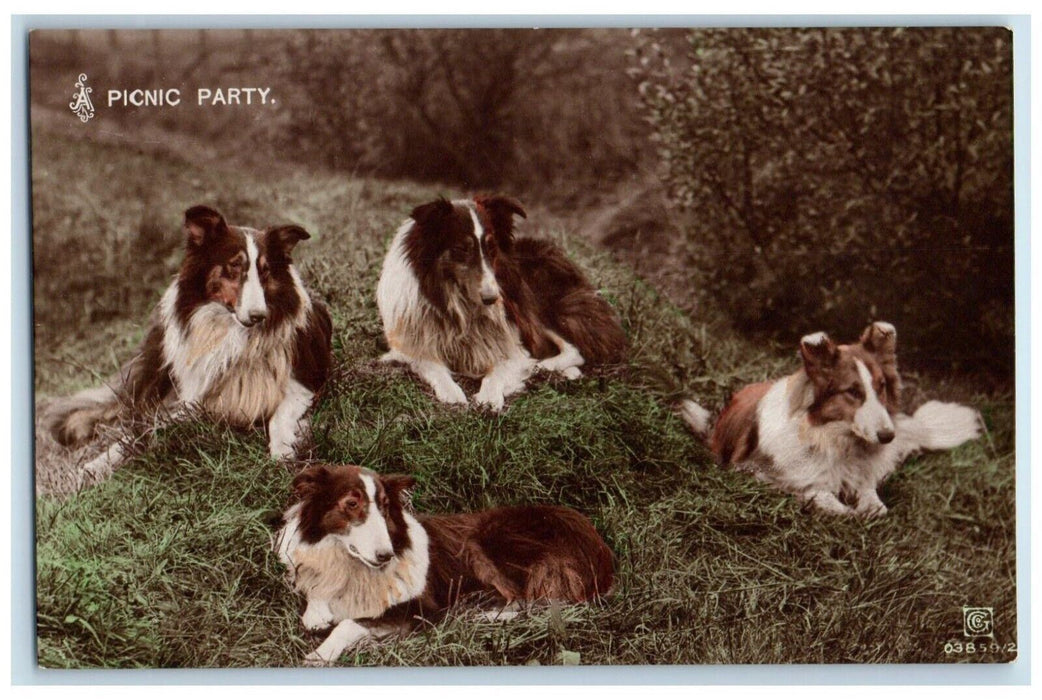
x=81, y=104
x=977, y=622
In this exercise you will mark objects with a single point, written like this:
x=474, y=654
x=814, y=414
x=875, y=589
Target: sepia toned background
x=730, y=190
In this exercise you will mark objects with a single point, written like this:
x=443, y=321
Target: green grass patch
x=168, y=563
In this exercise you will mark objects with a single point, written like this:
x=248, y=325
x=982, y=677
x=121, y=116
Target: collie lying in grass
x=831, y=433
x=460, y=294
x=236, y=334
x=369, y=568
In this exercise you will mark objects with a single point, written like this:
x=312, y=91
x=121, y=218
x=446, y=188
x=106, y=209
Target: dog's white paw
x=869, y=505
x=947, y=425
x=316, y=658
x=392, y=356
x=282, y=448
x=572, y=372
x=449, y=392
x=490, y=397
x=827, y=502
x=102, y=466
x=317, y=617
x=698, y=418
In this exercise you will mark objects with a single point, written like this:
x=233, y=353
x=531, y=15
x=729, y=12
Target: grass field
x=168, y=563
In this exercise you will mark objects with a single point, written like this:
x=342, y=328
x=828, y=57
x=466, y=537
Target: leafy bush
x=526, y=108
x=833, y=176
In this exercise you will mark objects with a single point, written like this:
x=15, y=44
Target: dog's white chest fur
x=329, y=577
x=471, y=345
x=218, y=364
x=807, y=458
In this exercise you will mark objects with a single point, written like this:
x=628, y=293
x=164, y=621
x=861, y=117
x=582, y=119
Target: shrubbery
x=833, y=176
x=520, y=108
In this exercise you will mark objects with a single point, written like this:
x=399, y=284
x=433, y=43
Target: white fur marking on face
x=252, y=298
x=872, y=417
x=369, y=539
x=489, y=286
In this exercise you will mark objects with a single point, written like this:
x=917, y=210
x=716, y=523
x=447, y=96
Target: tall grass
x=168, y=562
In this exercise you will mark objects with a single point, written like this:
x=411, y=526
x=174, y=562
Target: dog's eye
x=855, y=391
x=351, y=504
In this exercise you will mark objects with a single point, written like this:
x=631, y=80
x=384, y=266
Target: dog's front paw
x=826, y=502
x=450, y=392
x=869, y=506
x=490, y=397
x=102, y=466
x=947, y=425
x=392, y=356
x=316, y=659
x=281, y=449
x=317, y=617
x=572, y=372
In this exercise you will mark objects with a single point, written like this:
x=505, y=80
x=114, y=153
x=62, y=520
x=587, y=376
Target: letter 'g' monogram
x=977, y=622
x=81, y=104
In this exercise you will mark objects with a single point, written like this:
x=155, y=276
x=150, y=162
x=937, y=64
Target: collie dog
x=460, y=294
x=832, y=433
x=369, y=568
x=236, y=334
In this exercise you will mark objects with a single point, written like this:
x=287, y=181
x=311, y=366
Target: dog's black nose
x=384, y=557
x=885, y=436
x=489, y=301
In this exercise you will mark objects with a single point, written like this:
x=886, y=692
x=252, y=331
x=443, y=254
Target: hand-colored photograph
x=523, y=347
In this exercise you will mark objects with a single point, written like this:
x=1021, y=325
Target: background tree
x=832, y=176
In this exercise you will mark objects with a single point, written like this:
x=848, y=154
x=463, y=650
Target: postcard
x=523, y=347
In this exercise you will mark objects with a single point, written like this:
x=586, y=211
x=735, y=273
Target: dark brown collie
x=236, y=334
x=460, y=294
x=368, y=567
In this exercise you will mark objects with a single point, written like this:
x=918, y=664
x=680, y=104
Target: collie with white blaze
x=236, y=334
x=460, y=294
x=369, y=568
x=832, y=432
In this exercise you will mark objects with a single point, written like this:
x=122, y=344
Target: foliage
x=531, y=108
x=834, y=176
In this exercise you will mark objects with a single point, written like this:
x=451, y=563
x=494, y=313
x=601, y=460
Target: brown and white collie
x=460, y=294
x=369, y=568
x=236, y=334
x=832, y=432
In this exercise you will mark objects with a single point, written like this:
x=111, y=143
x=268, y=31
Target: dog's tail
x=142, y=382
x=697, y=417
x=73, y=420
x=941, y=426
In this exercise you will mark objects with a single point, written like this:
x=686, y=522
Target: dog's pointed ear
x=880, y=338
x=310, y=481
x=282, y=239
x=819, y=354
x=501, y=210
x=394, y=484
x=431, y=214
x=203, y=225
